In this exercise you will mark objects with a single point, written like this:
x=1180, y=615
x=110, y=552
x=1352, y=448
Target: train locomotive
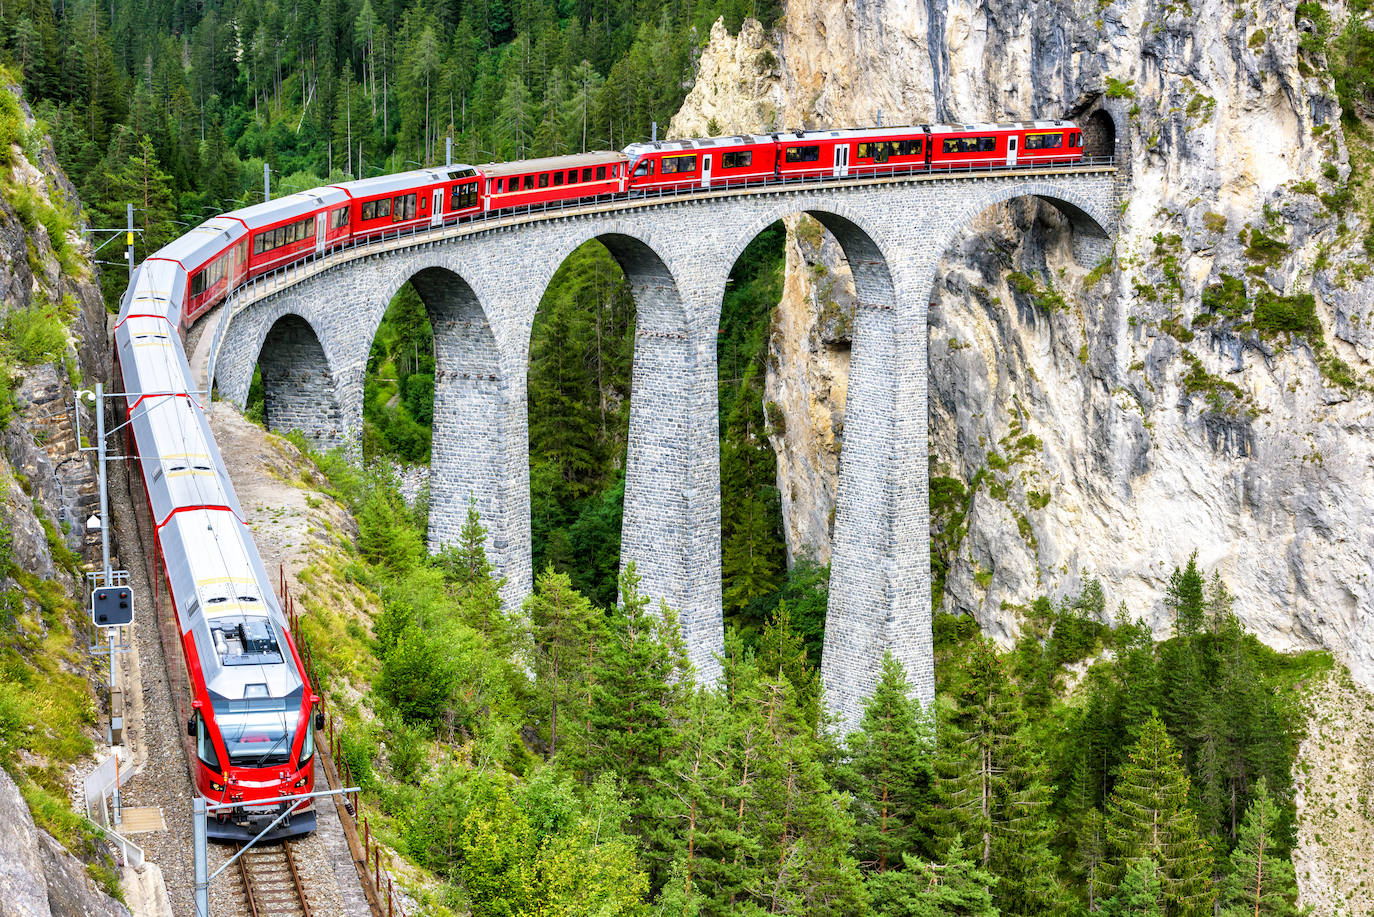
x=254, y=711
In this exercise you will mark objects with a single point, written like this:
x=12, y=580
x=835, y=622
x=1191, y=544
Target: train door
x=841, y=160
x=1011, y=150
x=436, y=209
x=321, y=223
x=706, y=170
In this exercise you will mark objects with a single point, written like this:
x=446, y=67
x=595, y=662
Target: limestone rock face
x=38, y=877
x=1118, y=421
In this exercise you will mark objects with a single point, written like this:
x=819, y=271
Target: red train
x=224, y=251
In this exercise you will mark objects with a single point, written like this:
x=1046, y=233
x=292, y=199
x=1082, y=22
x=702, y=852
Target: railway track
x=272, y=883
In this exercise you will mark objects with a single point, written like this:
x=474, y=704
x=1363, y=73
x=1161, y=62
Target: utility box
x=112, y=606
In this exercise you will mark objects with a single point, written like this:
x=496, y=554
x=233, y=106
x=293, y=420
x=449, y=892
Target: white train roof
x=285, y=208
x=405, y=181
x=157, y=288
x=635, y=150
x=219, y=583
x=151, y=359
x=202, y=243
x=181, y=465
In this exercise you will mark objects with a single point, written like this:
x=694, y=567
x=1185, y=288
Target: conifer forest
x=559, y=758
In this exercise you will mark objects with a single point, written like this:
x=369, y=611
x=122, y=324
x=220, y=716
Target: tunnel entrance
x=1099, y=135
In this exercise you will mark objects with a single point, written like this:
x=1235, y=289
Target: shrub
x=38, y=334
x=1296, y=314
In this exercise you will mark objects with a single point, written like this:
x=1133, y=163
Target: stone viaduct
x=311, y=330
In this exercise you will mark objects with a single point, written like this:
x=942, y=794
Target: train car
x=410, y=199
x=983, y=146
x=290, y=228
x=710, y=163
x=552, y=179
x=251, y=701
x=214, y=257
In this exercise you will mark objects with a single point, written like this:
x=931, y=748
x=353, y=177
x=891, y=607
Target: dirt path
x=1335, y=795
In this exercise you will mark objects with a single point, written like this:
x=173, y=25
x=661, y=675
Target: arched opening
x=757, y=568
x=1021, y=316
x=1099, y=135
x=293, y=387
x=398, y=386
x=578, y=394
x=432, y=396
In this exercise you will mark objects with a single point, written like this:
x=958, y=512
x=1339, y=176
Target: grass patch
x=1044, y=297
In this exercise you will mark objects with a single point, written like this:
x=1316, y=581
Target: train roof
x=405, y=181
x=217, y=577
x=706, y=143
x=151, y=361
x=551, y=163
x=284, y=208
x=157, y=288
x=202, y=243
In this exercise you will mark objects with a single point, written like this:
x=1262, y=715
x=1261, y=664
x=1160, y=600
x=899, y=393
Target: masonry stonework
x=482, y=283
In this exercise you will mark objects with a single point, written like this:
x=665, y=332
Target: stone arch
x=879, y=585
x=469, y=444
x=300, y=391
x=1090, y=224
x=670, y=526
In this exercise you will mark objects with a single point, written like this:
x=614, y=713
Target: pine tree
x=469, y=575
x=1261, y=881
x=1139, y=894
x=1092, y=852
x=890, y=772
x=562, y=622
x=955, y=888
x=1149, y=817
x=994, y=791
x=641, y=685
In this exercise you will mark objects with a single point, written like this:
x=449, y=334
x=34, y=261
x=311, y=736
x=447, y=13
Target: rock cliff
x=1206, y=388
x=53, y=340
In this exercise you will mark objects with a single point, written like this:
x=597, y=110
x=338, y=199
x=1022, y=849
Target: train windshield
x=256, y=738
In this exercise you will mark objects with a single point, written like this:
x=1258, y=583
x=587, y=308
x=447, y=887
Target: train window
x=529, y=182
x=572, y=176
x=375, y=210
x=404, y=208
x=970, y=144
x=645, y=167
x=803, y=154
x=338, y=218
x=600, y=173
x=558, y=179
x=736, y=159
x=587, y=174
x=678, y=164
x=909, y=148
x=1044, y=141
x=462, y=196
x=198, y=283
x=544, y=180
x=205, y=749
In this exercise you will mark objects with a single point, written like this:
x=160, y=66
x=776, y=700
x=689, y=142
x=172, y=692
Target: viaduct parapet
x=311, y=329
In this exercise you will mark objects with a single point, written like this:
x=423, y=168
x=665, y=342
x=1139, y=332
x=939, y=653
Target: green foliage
x=1295, y=314
x=1044, y=297
x=1149, y=819
x=1120, y=89
x=1227, y=298
x=1264, y=249
x=1261, y=879
x=956, y=887
x=37, y=334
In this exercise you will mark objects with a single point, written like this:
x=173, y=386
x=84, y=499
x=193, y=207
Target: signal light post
x=112, y=600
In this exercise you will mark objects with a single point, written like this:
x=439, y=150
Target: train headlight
x=218, y=788
x=300, y=783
